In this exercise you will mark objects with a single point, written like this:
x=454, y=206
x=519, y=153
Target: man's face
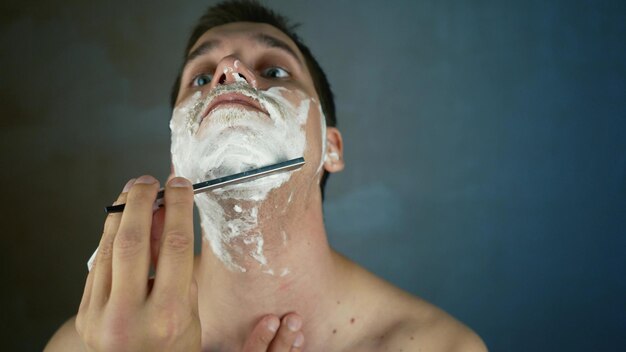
x=246, y=100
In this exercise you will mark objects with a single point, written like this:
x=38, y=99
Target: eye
x=275, y=72
x=202, y=79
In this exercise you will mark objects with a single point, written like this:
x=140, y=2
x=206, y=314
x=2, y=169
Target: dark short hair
x=251, y=11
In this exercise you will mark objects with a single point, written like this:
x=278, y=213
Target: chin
x=238, y=160
x=253, y=191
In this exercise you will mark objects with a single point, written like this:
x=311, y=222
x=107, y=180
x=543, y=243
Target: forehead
x=244, y=33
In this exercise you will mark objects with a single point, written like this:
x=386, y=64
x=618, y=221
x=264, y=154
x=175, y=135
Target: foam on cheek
x=233, y=140
x=323, y=141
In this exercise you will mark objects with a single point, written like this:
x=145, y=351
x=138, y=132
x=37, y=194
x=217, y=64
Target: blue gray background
x=485, y=144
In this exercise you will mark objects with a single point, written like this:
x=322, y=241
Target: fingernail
x=294, y=323
x=299, y=340
x=273, y=324
x=179, y=182
x=129, y=184
x=146, y=179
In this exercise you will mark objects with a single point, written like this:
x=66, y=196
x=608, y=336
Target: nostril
x=231, y=77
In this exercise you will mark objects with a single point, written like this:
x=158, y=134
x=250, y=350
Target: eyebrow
x=203, y=49
x=263, y=39
x=272, y=42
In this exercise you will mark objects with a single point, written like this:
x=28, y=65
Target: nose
x=232, y=70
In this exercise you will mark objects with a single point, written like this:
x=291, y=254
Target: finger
x=158, y=220
x=289, y=334
x=101, y=271
x=193, y=296
x=86, y=299
x=131, y=246
x=262, y=334
x=175, y=271
x=298, y=343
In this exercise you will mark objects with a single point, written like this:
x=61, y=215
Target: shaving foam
x=231, y=140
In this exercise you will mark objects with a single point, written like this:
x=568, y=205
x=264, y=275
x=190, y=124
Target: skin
x=325, y=303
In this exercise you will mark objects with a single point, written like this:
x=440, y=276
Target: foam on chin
x=233, y=140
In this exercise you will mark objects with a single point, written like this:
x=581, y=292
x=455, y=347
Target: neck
x=298, y=273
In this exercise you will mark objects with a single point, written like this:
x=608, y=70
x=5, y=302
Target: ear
x=333, y=160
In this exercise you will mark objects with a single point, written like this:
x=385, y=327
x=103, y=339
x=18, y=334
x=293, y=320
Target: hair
x=251, y=11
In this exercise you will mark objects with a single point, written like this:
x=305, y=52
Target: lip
x=233, y=99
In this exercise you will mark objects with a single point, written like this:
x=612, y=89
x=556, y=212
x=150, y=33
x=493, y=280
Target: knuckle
x=265, y=338
x=170, y=321
x=105, y=251
x=128, y=242
x=115, y=330
x=108, y=339
x=177, y=241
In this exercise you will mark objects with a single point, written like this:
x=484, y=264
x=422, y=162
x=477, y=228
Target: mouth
x=237, y=100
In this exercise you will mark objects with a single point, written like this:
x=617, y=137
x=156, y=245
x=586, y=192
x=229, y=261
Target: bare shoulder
x=424, y=327
x=401, y=321
x=66, y=338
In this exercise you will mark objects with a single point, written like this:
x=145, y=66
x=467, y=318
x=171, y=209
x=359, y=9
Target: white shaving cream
x=232, y=140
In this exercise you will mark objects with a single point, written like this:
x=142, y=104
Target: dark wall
x=485, y=148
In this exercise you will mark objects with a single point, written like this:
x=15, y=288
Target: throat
x=241, y=237
x=261, y=258
x=231, y=302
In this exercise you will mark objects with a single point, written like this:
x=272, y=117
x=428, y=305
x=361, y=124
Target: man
x=250, y=94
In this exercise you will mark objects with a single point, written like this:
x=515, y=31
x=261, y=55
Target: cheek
x=185, y=112
x=295, y=98
x=310, y=120
x=315, y=132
